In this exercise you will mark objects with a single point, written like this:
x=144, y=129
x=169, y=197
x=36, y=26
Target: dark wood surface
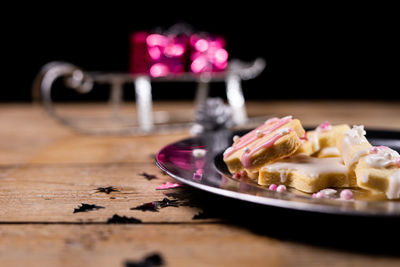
x=48, y=170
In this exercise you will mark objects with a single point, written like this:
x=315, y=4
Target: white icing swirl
x=352, y=137
x=383, y=158
x=355, y=135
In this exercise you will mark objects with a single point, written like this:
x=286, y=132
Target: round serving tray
x=209, y=173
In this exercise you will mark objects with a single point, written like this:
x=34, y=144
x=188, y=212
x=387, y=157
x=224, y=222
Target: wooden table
x=47, y=171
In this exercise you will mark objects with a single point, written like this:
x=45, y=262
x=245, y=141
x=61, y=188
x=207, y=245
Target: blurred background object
x=336, y=52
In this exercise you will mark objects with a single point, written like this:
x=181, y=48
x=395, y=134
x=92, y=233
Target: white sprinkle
x=284, y=131
x=328, y=192
x=246, y=149
x=199, y=153
x=259, y=133
x=236, y=138
x=281, y=188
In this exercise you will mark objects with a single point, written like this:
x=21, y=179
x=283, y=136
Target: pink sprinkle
x=243, y=173
x=168, y=185
x=236, y=175
x=397, y=163
x=320, y=195
x=326, y=126
x=373, y=150
x=273, y=187
x=281, y=188
x=240, y=174
x=346, y=194
x=305, y=137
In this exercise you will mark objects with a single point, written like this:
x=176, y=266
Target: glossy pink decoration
x=162, y=54
x=208, y=54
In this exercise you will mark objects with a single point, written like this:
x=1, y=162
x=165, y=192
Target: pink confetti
x=168, y=185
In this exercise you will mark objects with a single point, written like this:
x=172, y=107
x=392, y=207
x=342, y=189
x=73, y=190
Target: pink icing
x=266, y=128
x=245, y=159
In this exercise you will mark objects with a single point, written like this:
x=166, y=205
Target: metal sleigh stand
x=146, y=121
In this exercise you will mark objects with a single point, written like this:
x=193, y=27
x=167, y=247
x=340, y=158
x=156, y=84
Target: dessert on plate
x=281, y=152
x=275, y=139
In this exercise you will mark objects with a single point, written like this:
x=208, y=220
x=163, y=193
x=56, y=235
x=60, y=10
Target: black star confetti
x=106, y=190
x=151, y=260
x=122, y=220
x=150, y=206
x=169, y=203
x=155, y=205
x=183, y=199
x=87, y=207
x=148, y=176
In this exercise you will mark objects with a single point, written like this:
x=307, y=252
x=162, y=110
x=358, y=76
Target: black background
x=335, y=52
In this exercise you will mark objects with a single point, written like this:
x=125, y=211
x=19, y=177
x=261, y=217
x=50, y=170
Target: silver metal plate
x=210, y=174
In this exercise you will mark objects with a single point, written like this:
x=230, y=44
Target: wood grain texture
x=47, y=170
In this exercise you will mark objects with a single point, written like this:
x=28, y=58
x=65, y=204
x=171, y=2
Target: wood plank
x=178, y=245
x=51, y=192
